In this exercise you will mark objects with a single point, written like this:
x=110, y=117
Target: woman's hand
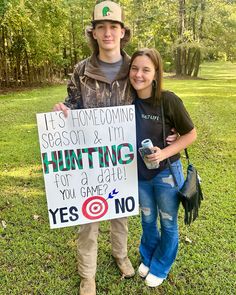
x=157, y=156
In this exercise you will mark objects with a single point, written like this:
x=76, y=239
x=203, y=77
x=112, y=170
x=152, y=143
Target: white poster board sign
x=89, y=164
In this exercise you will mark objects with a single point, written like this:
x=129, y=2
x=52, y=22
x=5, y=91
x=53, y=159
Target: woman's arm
x=181, y=143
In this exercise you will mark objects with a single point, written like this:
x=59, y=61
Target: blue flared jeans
x=158, y=200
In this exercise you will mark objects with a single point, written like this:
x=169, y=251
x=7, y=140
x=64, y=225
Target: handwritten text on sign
x=89, y=164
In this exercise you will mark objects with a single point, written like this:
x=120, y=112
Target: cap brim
x=93, y=22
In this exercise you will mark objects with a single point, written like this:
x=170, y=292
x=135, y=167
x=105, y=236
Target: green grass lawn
x=37, y=260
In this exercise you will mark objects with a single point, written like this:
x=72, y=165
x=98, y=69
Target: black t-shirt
x=149, y=125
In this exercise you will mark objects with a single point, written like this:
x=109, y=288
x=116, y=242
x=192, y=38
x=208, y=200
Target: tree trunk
x=178, y=61
x=4, y=59
x=191, y=62
x=180, y=55
x=184, y=61
x=197, y=62
x=28, y=67
x=64, y=58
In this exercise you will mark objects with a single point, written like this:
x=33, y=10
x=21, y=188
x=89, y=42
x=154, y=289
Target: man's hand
x=172, y=137
x=61, y=107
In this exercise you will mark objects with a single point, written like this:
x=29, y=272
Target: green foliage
x=37, y=260
x=158, y=24
x=41, y=41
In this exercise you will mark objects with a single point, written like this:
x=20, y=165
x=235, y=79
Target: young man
x=101, y=81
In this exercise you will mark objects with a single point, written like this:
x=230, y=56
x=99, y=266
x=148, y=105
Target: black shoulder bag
x=191, y=193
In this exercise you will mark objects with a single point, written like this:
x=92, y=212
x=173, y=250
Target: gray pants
x=87, y=245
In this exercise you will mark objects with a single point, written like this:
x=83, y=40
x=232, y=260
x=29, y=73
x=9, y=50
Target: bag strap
x=165, y=144
x=187, y=156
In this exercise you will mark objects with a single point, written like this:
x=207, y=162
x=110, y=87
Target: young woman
x=157, y=190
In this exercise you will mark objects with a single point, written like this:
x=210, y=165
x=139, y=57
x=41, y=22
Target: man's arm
x=74, y=98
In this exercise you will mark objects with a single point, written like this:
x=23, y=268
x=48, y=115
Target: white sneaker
x=153, y=281
x=143, y=270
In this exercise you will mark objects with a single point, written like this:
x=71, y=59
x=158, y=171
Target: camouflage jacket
x=89, y=88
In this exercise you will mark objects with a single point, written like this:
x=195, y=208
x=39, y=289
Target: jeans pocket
x=177, y=169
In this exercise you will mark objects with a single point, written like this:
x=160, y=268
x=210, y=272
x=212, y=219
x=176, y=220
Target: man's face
x=108, y=35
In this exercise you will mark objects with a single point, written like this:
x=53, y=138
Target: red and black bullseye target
x=94, y=207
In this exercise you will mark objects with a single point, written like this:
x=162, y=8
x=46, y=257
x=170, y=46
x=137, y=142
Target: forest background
x=41, y=41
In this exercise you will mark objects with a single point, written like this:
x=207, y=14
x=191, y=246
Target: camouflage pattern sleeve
x=74, y=99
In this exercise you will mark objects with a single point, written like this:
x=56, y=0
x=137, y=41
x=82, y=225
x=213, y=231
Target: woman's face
x=142, y=73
